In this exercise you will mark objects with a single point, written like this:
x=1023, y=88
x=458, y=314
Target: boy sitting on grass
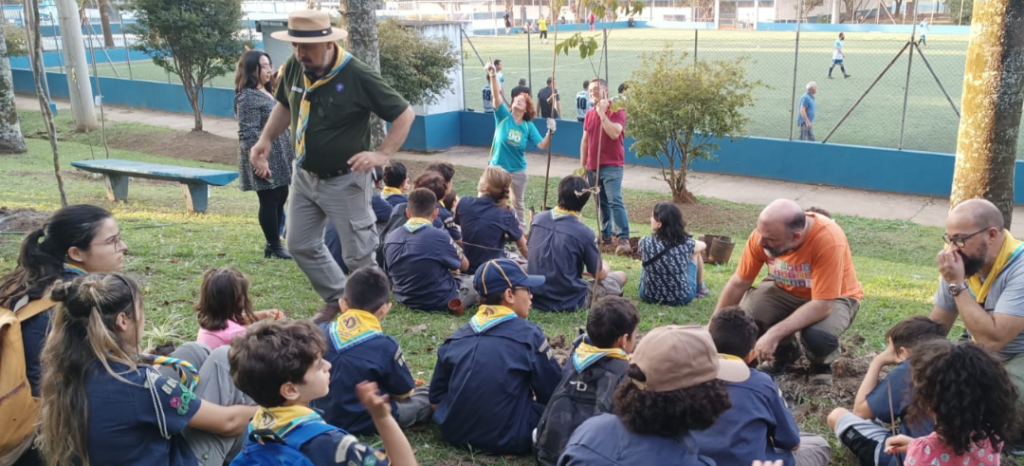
x=421, y=259
x=396, y=182
x=561, y=246
x=860, y=430
x=592, y=373
x=358, y=350
x=495, y=374
x=280, y=365
x=758, y=425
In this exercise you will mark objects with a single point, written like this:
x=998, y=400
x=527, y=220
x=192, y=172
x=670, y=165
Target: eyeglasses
x=959, y=241
x=116, y=241
x=528, y=291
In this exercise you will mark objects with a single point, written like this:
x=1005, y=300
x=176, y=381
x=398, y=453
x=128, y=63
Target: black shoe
x=821, y=374
x=847, y=76
x=327, y=313
x=278, y=251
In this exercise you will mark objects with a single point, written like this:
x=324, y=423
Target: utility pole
x=82, y=108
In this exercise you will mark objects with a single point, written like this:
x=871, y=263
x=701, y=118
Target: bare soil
x=194, y=145
x=809, y=400
x=21, y=220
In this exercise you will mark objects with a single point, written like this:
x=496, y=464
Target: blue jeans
x=613, y=209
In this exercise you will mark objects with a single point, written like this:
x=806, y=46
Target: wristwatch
x=956, y=289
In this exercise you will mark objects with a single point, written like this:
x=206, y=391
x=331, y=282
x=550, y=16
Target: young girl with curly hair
x=487, y=221
x=675, y=384
x=969, y=394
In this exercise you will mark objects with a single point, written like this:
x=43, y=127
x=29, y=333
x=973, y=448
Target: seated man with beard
x=811, y=288
x=982, y=281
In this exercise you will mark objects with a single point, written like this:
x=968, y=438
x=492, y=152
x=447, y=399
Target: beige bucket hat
x=308, y=27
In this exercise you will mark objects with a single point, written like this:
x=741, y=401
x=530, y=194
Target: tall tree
x=108, y=35
x=986, y=148
x=11, y=139
x=359, y=18
x=196, y=40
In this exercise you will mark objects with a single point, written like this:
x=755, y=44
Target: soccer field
x=931, y=123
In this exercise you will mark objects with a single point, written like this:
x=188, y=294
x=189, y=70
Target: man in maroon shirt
x=603, y=128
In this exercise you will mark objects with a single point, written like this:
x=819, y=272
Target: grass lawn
x=169, y=249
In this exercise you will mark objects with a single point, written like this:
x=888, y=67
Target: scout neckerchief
x=353, y=327
x=558, y=212
x=340, y=61
x=1011, y=251
x=729, y=357
x=388, y=191
x=189, y=377
x=283, y=419
x=487, y=317
x=587, y=354
x=74, y=269
x=416, y=223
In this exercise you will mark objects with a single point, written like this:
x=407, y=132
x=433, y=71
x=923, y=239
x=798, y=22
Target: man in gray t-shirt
x=981, y=250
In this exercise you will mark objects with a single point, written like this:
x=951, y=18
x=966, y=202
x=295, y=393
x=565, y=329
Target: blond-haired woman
x=487, y=221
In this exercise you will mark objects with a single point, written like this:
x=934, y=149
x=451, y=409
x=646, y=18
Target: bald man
x=811, y=288
x=983, y=282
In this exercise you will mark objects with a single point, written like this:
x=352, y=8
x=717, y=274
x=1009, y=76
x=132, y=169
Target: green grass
x=169, y=249
x=931, y=123
x=146, y=70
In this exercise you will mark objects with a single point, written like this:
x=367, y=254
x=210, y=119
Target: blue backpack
x=277, y=451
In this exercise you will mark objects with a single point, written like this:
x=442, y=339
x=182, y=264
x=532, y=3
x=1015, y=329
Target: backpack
x=275, y=451
x=580, y=396
x=18, y=408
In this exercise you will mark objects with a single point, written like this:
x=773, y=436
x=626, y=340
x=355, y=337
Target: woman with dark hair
x=254, y=99
x=672, y=270
x=675, y=384
x=76, y=240
x=513, y=133
x=103, y=403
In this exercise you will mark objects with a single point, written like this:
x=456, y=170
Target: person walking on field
x=923, y=28
x=328, y=96
x=838, y=56
x=591, y=20
x=808, y=107
x=542, y=24
x=603, y=136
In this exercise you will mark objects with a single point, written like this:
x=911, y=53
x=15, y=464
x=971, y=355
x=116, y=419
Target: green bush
x=17, y=40
x=415, y=65
x=960, y=12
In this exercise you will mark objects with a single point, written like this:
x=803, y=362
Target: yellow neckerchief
x=353, y=327
x=587, y=354
x=282, y=419
x=1011, y=250
x=340, y=61
x=487, y=317
x=729, y=357
x=558, y=212
x=416, y=223
x=388, y=190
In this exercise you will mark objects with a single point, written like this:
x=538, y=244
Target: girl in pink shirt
x=225, y=307
x=969, y=394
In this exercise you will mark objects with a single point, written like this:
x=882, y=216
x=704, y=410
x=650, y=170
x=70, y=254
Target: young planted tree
x=678, y=111
x=195, y=40
x=415, y=65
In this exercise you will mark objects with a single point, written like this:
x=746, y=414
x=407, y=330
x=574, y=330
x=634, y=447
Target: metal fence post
x=529, y=59
x=796, y=61
x=906, y=87
x=124, y=40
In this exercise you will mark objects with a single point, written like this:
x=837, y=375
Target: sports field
x=931, y=123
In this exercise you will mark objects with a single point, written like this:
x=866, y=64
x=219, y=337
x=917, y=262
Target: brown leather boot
x=327, y=313
x=623, y=248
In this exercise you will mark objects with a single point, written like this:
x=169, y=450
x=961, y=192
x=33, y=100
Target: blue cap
x=498, y=275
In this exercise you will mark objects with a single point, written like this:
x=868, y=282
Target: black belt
x=329, y=175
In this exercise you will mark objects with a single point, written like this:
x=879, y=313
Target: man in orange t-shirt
x=811, y=288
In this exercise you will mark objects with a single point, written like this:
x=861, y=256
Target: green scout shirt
x=339, y=112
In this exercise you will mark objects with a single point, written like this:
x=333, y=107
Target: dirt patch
x=198, y=146
x=561, y=347
x=634, y=247
x=21, y=220
x=812, y=400
x=701, y=217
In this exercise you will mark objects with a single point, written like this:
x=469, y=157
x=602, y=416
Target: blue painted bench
x=195, y=182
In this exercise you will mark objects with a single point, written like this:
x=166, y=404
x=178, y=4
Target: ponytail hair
x=496, y=183
x=83, y=331
x=43, y=251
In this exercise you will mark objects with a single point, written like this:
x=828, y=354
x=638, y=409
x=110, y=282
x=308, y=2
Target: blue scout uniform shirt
x=125, y=418
x=902, y=397
x=560, y=249
x=331, y=448
x=358, y=350
x=394, y=199
x=486, y=224
x=485, y=379
x=443, y=221
x=758, y=426
x=33, y=336
x=420, y=265
x=603, y=440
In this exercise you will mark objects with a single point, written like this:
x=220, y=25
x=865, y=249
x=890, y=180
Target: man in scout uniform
x=982, y=281
x=327, y=95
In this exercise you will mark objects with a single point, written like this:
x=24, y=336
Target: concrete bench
x=195, y=182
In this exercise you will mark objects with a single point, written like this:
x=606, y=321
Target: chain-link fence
x=778, y=60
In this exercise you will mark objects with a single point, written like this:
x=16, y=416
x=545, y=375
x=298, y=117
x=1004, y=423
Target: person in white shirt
x=838, y=56
x=583, y=102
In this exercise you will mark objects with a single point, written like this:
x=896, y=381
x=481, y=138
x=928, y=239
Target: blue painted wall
x=891, y=28
x=53, y=59
x=569, y=27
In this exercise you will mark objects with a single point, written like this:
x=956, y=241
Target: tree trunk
x=680, y=194
x=359, y=17
x=79, y=86
x=108, y=35
x=11, y=139
x=992, y=100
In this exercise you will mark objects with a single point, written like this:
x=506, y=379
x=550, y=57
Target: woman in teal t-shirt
x=512, y=133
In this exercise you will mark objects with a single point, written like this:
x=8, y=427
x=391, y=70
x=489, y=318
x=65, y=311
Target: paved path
x=925, y=210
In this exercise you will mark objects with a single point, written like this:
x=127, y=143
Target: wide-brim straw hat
x=310, y=27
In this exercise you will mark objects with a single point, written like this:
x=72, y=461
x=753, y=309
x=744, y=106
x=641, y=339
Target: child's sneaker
x=702, y=291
